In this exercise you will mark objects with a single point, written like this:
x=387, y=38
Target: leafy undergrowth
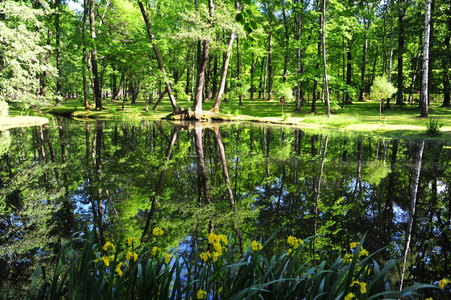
x=134, y=270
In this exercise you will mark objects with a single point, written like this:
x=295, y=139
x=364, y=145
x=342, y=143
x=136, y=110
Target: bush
x=433, y=127
x=119, y=272
x=382, y=89
x=3, y=109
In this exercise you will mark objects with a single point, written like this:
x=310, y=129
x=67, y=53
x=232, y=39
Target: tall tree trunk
x=401, y=43
x=424, y=86
x=392, y=34
x=415, y=70
x=298, y=35
x=225, y=67
x=58, y=52
x=197, y=106
x=95, y=72
x=363, y=69
x=238, y=69
x=445, y=61
x=85, y=55
x=348, y=71
x=270, y=71
x=253, y=63
x=175, y=108
x=323, y=45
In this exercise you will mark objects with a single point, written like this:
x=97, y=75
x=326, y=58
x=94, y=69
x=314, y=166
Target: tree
x=22, y=52
x=424, y=85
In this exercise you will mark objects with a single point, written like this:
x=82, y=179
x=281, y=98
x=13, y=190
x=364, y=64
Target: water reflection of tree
x=267, y=174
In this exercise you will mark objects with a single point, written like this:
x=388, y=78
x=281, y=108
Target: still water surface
x=123, y=179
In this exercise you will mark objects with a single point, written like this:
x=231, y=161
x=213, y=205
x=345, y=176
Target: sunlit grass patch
x=336, y=121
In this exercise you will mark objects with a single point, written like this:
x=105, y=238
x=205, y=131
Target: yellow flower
x=168, y=257
x=354, y=283
x=220, y=289
x=130, y=240
x=155, y=250
x=157, y=231
x=108, y=245
x=349, y=296
x=215, y=256
x=363, y=287
x=118, y=268
x=205, y=256
x=289, y=252
x=353, y=245
x=130, y=255
x=223, y=239
x=363, y=252
x=218, y=247
x=106, y=260
x=443, y=282
x=201, y=294
x=347, y=258
x=256, y=245
x=212, y=237
x=291, y=240
x=430, y=298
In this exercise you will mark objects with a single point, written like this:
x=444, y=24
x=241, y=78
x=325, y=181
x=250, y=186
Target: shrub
x=433, y=127
x=3, y=109
x=382, y=89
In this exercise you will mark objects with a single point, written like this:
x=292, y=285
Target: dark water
x=123, y=179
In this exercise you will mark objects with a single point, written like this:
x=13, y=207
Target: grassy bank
x=398, y=121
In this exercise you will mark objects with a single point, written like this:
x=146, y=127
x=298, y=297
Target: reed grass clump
x=132, y=270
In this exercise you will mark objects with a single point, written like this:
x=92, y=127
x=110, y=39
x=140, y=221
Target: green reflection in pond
x=63, y=178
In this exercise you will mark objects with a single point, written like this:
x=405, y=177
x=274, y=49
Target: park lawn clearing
x=398, y=121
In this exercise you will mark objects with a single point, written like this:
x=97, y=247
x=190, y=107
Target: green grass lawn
x=398, y=121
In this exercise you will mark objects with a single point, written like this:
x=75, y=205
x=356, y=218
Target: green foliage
x=375, y=171
x=382, y=89
x=433, y=127
x=23, y=52
x=3, y=109
x=5, y=142
x=132, y=269
x=284, y=90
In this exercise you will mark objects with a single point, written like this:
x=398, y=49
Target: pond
x=66, y=178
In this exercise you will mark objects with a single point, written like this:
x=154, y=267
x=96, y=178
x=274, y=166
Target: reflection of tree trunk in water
x=387, y=213
x=225, y=171
x=359, y=168
x=150, y=216
x=413, y=203
x=316, y=199
x=88, y=156
x=98, y=171
x=201, y=172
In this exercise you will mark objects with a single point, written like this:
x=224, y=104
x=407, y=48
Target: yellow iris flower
x=256, y=245
x=155, y=250
x=157, y=231
x=133, y=255
x=130, y=240
x=349, y=296
x=168, y=257
x=108, y=245
x=201, y=294
x=118, y=268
